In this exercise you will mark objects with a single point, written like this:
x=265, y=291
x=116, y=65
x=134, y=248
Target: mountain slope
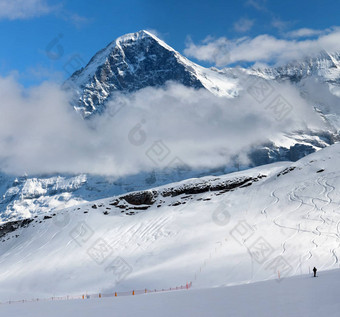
x=239, y=228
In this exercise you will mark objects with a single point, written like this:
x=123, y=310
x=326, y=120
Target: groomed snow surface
x=291, y=297
x=227, y=243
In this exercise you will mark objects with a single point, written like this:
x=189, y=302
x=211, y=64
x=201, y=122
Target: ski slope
x=273, y=221
x=293, y=297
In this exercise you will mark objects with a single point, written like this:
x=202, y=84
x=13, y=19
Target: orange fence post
x=115, y=294
x=83, y=297
x=133, y=292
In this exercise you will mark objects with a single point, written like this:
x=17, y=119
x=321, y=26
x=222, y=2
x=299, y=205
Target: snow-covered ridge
x=325, y=66
x=138, y=201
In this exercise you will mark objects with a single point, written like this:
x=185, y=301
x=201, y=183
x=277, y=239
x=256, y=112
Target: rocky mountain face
x=131, y=62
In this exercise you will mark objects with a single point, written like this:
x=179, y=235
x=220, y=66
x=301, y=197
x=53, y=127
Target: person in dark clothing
x=314, y=270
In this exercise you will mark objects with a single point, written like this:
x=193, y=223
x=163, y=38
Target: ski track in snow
x=320, y=206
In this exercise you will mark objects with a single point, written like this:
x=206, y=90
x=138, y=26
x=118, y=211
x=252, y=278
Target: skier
x=314, y=270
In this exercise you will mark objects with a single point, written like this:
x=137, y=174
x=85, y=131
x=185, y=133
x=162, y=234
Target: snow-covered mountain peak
x=141, y=35
x=83, y=75
x=135, y=36
x=135, y=61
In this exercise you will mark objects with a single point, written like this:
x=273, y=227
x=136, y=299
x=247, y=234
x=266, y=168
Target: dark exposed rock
x=177, y=203
x=298, y=151
x=14, y=225
x=286, y=171
x=203, y=187
x=141, y=198
x=140, y=208
x=144, y=199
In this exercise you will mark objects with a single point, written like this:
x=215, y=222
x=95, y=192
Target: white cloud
x=243, y=25
x=259, y=5
x=280, y=24
x=211, y=50
x=23, y=9
x=305, y=32
x=41, y=133
x=27, y=9
x=263, y=48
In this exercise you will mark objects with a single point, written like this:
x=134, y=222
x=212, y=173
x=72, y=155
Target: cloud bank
x=265, y=48
x=41, y=133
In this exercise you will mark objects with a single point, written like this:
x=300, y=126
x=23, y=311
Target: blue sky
x=39, y=37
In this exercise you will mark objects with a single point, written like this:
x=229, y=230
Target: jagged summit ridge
x=129, y=63
x=135, y=61
x=102, y=56
x=142, y=35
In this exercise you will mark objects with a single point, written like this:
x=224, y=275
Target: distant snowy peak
x=135, y=61
x=325, y=66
